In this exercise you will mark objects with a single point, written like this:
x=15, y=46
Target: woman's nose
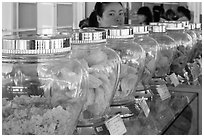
x=118, y=20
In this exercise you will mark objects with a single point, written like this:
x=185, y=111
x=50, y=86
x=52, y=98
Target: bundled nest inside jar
x=56, y=111
x=35, y=116
x=103, y=69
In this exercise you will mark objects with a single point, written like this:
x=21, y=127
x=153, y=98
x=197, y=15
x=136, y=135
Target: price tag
x=144, y=106
x=174, y=79
x=163, y=92
x=102, y=130
x=116, y=126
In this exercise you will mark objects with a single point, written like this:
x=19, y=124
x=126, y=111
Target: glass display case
x=162, y=113
x=157, y=119
x=58, y=98
x=162, y=116
x=127, y=80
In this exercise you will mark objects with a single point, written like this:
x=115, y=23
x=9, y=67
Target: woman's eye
x=111, y=14
x=121, y=13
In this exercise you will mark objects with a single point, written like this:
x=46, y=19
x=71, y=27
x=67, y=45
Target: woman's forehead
x=113, y=7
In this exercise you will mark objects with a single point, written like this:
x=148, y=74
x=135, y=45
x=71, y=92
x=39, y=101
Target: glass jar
x=194, y=63
x=198, y=30
x=151, y=47
x=43, y=89
x=132, y=56
x=198, y=50
x=184, y=45
x=198, y=47
x=190, y=31
x=166, y=50
x=103, y=65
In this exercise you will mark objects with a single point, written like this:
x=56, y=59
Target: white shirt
x=183, y=19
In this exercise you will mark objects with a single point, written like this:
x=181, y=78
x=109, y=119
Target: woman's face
x=141, y=18
x=113, y=15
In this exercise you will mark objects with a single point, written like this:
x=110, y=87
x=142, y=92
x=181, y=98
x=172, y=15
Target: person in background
x=158, y=13
x=107, y=14
x=144, y=16
x=170, y=15
x=183, y=14
x=162, y=16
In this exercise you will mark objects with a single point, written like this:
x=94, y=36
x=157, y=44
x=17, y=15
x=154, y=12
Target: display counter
x=161, y=117
x=164, y=113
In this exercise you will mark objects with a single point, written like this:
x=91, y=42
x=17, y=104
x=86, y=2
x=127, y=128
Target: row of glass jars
x=160, y=50
x=42, y=65
x=136, y=68
x=46, y=86
x=84, y=79
x=188, y=49
x=41, y=59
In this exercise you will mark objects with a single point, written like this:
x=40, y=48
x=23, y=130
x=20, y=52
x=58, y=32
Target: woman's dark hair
x=186, y=12
x=158, y=12
x=147, y=13
x=84, y=23
x=98, y=10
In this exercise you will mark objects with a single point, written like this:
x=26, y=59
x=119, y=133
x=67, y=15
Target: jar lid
x=166, y=22
x=185, y=24
x=158, y=28
x=117, y=32
x=35, y=44
x=175, y=26
x=158, y=23
x=198, y=25
x=191, y=26
x=140, y=29
x=154, y=23
x=88, y=35
x=162, y=23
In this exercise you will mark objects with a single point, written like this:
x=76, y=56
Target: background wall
x=67, y=19
x=17, y=15
x=21, y=15
x=89, y=6
x=27, y=15
x=8, y=20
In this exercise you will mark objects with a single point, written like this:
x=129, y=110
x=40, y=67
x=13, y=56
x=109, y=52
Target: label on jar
x=144, y=106
x=163, y=92
x=101, y=130
x=174, y=79
x=17, y=90
x=116, y=126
